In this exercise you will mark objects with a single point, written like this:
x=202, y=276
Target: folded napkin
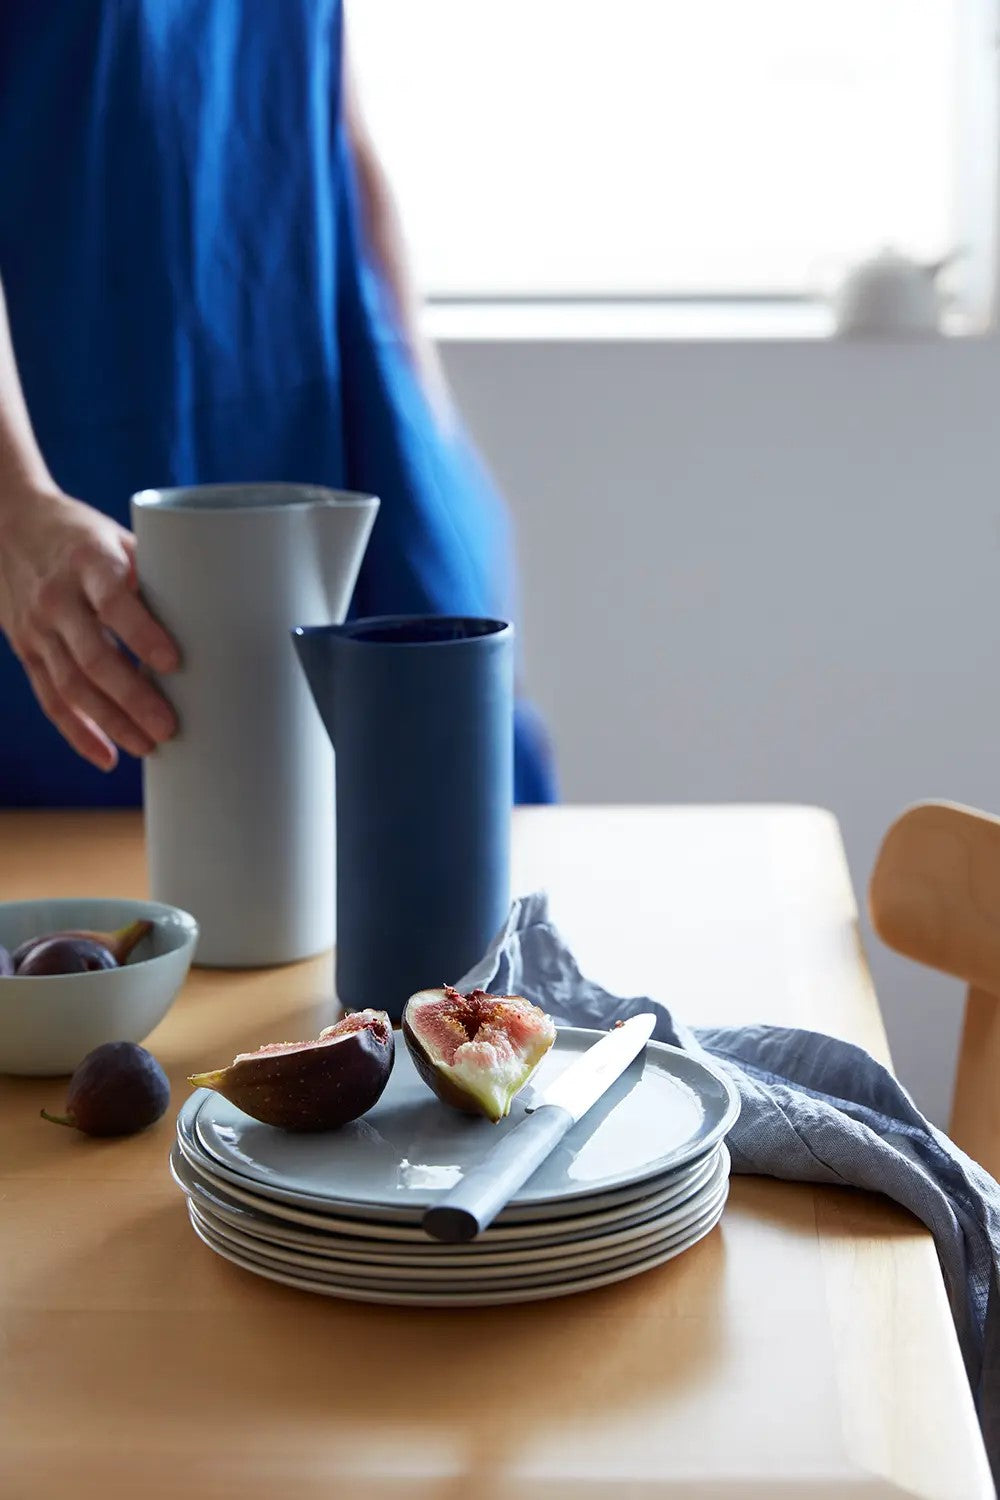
x=814, y=1109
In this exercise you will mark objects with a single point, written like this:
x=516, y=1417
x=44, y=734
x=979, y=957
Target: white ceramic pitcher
x=239, y=805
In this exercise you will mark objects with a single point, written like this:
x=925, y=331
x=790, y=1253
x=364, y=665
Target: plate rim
x=465, y=1300
x=474, y=1272
x=222, y=1200
x=664, y=1165
x=406, y=1232
x=512, y=1215
x=424, y=1256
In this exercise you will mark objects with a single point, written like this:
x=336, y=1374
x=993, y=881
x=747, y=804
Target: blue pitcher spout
x=318, y=650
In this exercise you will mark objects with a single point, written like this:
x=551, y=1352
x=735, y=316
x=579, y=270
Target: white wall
x=763, y=572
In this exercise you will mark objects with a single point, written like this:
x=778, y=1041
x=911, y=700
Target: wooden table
x=804, y=1349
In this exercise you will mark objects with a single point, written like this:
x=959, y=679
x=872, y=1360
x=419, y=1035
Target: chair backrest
x=934, y=896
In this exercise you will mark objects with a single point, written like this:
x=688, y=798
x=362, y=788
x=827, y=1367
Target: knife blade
x=469, y=1207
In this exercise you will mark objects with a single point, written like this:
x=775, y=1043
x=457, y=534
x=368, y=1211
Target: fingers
x=79, y=690
x=84, y=736
x=105, y=684
x=128, y=617
x=68, y=597
x=109, y=587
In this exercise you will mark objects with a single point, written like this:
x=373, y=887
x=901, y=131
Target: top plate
x=667, y=1109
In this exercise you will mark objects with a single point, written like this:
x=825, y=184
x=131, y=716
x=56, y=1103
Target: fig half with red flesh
x=313, y=1085
x=476, y=1051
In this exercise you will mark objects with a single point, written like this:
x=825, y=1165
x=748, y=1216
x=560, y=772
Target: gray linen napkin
x=814, y=1109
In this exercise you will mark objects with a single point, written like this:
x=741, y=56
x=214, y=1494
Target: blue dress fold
x=192, y=301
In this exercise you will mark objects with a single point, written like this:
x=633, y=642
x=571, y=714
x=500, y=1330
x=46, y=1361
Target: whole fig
x=78, y=952
x=118, y=1089
x=66, y=955
x=22, y=950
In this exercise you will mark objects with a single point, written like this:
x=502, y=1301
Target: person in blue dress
x=204, y=281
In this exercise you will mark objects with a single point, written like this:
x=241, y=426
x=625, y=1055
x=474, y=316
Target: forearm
x=23, y=470
x=69, y=599
x=384, y=231
x=387, y=243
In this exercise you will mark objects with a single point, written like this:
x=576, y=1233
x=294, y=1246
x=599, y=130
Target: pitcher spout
x=341, y=526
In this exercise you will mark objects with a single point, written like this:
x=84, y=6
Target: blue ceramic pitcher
x=420, y=712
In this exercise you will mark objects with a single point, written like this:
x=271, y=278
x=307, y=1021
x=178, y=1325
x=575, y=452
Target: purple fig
x=118, y=1089
x=21, y=952
x=78, y=952
x=66, y=955
x=315, y=1085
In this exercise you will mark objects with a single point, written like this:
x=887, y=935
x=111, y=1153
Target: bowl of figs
x=76, y=973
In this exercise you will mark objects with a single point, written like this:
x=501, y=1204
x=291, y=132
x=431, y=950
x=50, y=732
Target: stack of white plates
x=642, y=1177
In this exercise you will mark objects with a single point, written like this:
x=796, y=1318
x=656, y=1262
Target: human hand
x=69, y=601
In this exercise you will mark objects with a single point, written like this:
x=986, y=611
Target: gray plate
x=468, y=1275
x=280, y=1201
x=476, y=1271
x=500, y=1292
x=363, y=1232
x=276, y=1200
x=666, y=1111
x=278, y=1238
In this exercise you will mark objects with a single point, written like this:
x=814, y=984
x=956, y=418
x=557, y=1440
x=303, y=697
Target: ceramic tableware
x=554, y=1215
x=891, y=294
x=239, y=805
x=487, y=1186
x=366, y=1230
x=264, y=1231
x=352, y=1291
x=642, y=1175
x=48, y=1023
x=462, y=1276
x=665, y=1111
x=420, y=712
x=521, y=1262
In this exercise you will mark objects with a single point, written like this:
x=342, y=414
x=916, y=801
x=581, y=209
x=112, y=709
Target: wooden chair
x=934, y=896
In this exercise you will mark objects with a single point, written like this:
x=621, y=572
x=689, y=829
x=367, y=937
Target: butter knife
x=472, y=1204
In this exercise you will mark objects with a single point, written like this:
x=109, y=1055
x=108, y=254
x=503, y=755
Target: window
x=673, y=148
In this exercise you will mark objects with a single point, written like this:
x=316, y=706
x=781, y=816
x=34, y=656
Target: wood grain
x=934, y=896
x=975, y=1107
x=803, y=1349
x=934, y=893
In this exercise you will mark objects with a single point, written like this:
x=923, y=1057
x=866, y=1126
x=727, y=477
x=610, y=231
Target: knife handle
x=474, y=1203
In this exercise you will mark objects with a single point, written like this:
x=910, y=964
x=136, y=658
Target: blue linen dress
x=191, y=302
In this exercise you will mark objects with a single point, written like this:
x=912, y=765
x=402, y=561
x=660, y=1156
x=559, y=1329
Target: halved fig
x=476, y=1051
x=314, y=1085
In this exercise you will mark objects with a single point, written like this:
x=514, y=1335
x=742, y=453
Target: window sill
x=625, y=322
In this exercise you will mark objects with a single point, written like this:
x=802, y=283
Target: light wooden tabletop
x=804, y=1349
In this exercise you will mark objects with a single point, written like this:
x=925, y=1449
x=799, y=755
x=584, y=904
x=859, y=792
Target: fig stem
x=127, y=938
x=119, y=943
x=69, y=1120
